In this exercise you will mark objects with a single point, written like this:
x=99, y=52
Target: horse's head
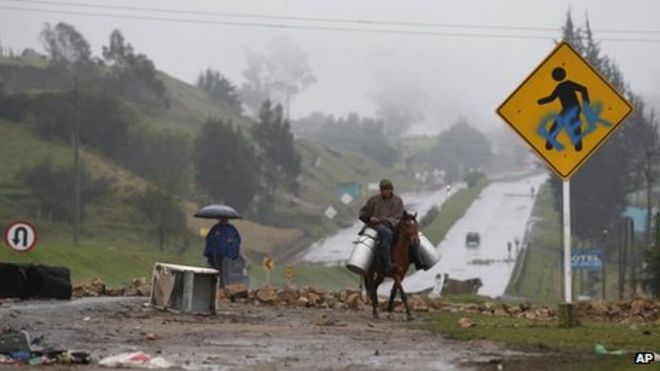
x=408, y=228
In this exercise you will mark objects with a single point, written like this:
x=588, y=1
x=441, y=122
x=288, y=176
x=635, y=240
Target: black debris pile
x=34, y=280
x=16, y=348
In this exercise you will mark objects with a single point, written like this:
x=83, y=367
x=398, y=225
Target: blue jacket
x=223, y=240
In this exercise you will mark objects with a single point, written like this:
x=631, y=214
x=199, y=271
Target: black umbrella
x=217, y=212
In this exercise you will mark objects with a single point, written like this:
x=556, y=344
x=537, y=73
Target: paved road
x=500, y=215
x=246, y=337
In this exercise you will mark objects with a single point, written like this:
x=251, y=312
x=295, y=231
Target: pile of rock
x=312, y=297
x=635, y=310
x=96, y=287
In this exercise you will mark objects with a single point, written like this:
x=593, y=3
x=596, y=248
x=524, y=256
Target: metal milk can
x=428, y=252
x=363, y=252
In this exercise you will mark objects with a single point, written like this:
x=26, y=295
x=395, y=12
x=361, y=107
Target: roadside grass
x=313, y=275
x=118, y=255
x=453, y=210
x=545, y=336
x=115, y=257
x=540, y=278
x=466, y=298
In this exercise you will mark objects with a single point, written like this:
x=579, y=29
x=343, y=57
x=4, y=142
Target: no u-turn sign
x=21, y=236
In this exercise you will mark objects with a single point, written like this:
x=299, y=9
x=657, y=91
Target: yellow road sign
x=288, y=271
x=288, y=274
x=565, y=110
x=267, y=263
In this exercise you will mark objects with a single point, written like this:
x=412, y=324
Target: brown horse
x=405, y=236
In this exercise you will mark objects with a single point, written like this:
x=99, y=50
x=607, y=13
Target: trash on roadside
x=16, y=349
x=601, y=350
x=137, y=360
x=18, y=341
x=22, y=356
x=150, y=336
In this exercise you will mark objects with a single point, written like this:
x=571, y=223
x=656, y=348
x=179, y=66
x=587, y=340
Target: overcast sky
x=451, y=74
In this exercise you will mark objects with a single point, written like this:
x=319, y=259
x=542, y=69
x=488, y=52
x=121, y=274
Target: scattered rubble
x=96, y=287
x=635, y=310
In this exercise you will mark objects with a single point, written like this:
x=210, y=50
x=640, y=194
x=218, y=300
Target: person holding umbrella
x=223, y=242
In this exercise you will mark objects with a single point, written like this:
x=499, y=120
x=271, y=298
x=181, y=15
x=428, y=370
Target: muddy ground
x=247, y=336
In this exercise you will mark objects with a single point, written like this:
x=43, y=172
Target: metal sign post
x=267, y=263
x=568, y=282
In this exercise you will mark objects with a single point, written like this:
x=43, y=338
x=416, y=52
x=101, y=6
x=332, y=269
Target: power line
x=289, y=18
x=305, y=27
x=271, y=25
x=323, y=19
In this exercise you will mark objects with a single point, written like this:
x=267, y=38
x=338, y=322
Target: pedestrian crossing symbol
x=565, y=110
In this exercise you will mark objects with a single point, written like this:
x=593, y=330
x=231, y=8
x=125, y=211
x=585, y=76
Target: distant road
x=500, y=215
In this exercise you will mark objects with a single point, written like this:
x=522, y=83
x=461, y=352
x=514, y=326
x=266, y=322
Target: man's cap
x=386, y=184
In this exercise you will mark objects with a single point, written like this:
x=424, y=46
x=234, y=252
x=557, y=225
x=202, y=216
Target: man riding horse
x=382, y=212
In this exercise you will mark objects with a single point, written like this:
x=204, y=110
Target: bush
x=429, y=217
x=166, y=218
x=473, y=177
x=52, y=188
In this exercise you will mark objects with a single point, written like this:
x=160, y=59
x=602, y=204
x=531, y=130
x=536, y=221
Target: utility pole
x=649, y=183
x=604, y=261
x=76, y=166
x=633, y=259
x=623, y=252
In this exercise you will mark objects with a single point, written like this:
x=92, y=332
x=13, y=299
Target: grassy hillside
x=115, y=240
x=189, y=107
x=112, y=228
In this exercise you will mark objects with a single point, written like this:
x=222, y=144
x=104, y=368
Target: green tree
x=65, y=45
x=275, y=150
x=352, y=133
x=220, y=88
x=165, y=216
x=225, y=164
x=104, y=119
x=160, y=156
x=459, y=149
x=132, y=75
x=51, y=186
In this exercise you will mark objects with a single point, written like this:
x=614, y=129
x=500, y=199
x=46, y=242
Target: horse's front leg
x=370, y=283
x=409, y=315
x=390, y=304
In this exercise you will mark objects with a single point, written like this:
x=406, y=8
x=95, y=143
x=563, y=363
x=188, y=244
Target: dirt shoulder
x=244, y=336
